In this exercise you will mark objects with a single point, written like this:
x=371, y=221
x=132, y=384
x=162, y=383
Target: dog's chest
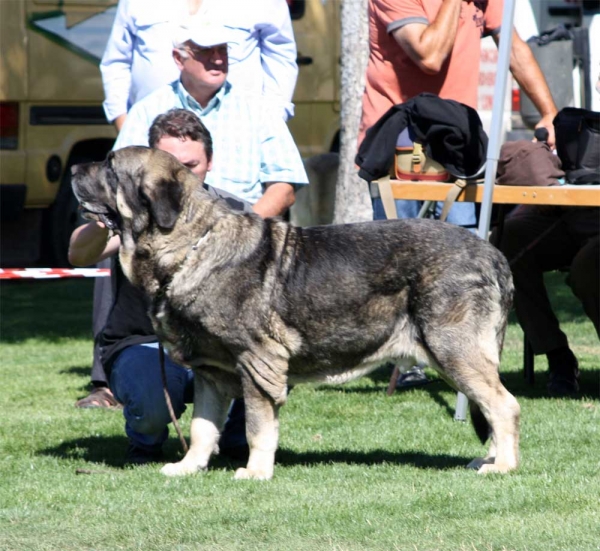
x=189, y=340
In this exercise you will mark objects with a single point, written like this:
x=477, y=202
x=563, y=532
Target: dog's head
x=132, y=189
x=138, y=193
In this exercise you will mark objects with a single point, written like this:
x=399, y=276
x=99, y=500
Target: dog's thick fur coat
x=256, y=305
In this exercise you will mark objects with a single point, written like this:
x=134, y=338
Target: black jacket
x=451, y=132
x=128, y=322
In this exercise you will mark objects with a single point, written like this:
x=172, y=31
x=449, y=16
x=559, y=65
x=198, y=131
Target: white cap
x=205, y=34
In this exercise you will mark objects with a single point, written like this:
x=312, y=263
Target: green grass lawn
x=356, y=469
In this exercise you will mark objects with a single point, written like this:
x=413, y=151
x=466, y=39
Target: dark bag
x=525, y=163
x=578, y=144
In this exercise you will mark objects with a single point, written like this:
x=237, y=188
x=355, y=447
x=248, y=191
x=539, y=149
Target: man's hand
x=546, y=122
x=278, y=198
x=119, y=121
x=92, y=243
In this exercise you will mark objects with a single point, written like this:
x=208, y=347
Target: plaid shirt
x=252, y=144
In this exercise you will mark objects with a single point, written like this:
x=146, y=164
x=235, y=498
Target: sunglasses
x=198, y=52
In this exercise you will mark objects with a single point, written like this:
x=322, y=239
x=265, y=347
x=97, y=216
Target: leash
x=161, y=355
x=163, y=374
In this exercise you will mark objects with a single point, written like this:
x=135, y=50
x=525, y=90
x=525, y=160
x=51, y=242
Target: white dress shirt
x=138, y=57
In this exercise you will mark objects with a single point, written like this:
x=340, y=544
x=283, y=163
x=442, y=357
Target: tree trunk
x=352, y=200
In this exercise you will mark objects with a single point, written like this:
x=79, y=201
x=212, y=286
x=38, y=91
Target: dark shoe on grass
x=143, y=456
x=563, y=373
x=412, y=378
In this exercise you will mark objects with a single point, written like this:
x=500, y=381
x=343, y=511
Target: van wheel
x=63, y=218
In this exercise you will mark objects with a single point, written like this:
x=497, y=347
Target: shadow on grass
x=79, y=371
x=46, y=309
x=107, y=450
x=589, y=385
x=110, y=451
x=374, y=457
x=515, y=383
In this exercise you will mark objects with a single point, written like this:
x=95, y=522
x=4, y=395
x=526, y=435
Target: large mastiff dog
x=256, y=305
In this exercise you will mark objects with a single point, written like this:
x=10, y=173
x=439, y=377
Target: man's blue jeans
x=461, y=214
x=136, y=382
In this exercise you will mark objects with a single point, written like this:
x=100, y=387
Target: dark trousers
x=541, y=239
x=103, y=298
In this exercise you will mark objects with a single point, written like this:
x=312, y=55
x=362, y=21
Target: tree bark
x=352, y=202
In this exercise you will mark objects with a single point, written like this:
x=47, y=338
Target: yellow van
x=51, y=114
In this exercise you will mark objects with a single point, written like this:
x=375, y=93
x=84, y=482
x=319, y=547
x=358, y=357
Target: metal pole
x=493, y=151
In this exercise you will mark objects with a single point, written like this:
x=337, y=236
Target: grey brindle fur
x=255, y=305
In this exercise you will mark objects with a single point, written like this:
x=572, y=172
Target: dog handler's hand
x=91, y=243
x=546, y=122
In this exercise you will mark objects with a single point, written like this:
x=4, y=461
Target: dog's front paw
x=495, y=468
x=485, y=465
x=249, y=474
x=479, y=462
x=182, y=468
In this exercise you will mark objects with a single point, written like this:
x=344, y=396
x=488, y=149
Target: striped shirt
x=252, y=144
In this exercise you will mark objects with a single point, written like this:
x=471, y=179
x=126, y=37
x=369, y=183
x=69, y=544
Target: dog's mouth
x=107, y=218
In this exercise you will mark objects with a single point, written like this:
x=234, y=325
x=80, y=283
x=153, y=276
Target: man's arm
x=116, y=66
x=429, y=45
x=528, y=74
x=278, y=197
x=278, y=55
x=91, y=243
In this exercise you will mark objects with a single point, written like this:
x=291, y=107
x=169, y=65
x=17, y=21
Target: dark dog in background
x=255, y=305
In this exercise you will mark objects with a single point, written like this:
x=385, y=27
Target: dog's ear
x=164, y=196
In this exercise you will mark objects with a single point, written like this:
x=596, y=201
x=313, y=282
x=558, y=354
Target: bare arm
x=90, y=243
x=278, y=197
x=429, y=45
x=528, y=74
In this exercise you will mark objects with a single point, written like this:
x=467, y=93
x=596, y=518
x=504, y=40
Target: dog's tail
x=480, y=423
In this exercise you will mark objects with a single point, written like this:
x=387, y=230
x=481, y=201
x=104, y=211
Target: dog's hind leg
x=472, y=367
x=502, y=411
x=210, y=412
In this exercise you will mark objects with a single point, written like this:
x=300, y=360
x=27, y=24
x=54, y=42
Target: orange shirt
x=393, y=78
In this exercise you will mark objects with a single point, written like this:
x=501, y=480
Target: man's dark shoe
x=411, y=378
x=143, y=456
x=563, y=373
